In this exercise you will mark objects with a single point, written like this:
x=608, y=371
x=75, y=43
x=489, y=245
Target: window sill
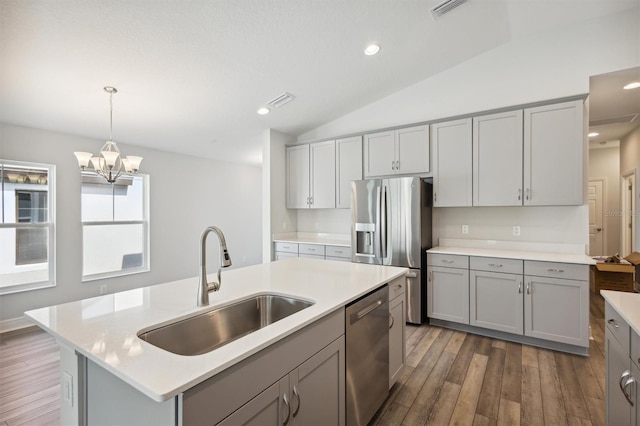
x=122, y=273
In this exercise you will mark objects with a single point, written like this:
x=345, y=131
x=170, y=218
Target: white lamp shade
x=134, y=163
x=110, y=158
x=97, y=163
x=83, y=159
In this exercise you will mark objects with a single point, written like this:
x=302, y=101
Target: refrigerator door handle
x=377, y=249
x=383, y=223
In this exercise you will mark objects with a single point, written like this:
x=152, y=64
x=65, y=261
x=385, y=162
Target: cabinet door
x=554, y=154
x=635, y=395
x=497, y=159
x=323, y=175
x=318, y=388
x=412, y=150
x=557, y=310
x=617, y=361
x=379, y=154
x=448, y=294
x=397, y=329
x=348, y=168
x=452, y=163
x=268, y=408
x=495, y=301
x=298, y=177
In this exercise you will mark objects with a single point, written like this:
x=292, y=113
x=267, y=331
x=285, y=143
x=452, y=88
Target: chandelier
x=109, y=163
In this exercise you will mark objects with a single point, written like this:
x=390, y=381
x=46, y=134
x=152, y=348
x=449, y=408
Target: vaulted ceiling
x=191, y=74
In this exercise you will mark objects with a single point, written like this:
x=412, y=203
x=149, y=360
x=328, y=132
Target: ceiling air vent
x=621, y=119
x=278, y=101
x=445, y=7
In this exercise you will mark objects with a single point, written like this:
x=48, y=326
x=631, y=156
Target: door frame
x=628, y=211
x=605, y=245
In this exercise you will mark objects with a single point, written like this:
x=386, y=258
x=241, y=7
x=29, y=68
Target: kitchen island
x=108, y=374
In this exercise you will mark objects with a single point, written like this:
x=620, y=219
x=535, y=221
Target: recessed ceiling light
x=633, y=85
x=263, y=111
x=593, y=134
x=372, y=49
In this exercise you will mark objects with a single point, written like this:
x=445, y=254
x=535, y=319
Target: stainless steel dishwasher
x=367, y=335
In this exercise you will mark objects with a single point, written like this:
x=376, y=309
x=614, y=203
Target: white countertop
x=343, y=240
x=543, y=252
x=627, y=305
x=105, y=328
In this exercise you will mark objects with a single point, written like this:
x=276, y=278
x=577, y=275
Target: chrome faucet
x=204, y=287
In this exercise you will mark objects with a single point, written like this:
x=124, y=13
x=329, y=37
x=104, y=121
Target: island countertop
x=105, y=329
x=627, y=305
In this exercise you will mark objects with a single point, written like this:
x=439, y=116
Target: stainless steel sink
x=206, y=332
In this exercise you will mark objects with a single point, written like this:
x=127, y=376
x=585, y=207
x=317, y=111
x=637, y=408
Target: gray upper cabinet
x=311, y=176
x=497, y=159
x=393, y=152
x=554, y=154
x=348, y=168
x=452, y=163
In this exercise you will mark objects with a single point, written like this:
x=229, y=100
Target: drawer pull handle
x=338, y=251
x=613, y=323
x=555, y=270
x=399, y=286
x=311, y=249
x=495, y=265
x=446, y=261
x=392, y=321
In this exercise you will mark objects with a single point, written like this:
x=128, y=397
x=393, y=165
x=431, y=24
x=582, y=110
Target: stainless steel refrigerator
x=391, y=225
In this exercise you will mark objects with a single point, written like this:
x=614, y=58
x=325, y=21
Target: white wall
x=630, y=160
x=535, y=68
x=331, y=221
x=186, y=195
x=276, y=218
x=605, y=163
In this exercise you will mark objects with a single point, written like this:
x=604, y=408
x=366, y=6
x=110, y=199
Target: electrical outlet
x=67, y=388
x=516, y=231
x=465, y=229
x=103, y=289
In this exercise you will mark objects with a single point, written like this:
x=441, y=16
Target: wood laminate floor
x=451, y=378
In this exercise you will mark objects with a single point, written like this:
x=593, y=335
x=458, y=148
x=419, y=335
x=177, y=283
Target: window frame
x=145, y=222
x=49, y=225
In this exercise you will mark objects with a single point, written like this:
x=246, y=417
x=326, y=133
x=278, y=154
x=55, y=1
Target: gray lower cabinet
x=622, y=370
x=397, y=329
x=448, y=294
x=495, y=301
x=312, y=394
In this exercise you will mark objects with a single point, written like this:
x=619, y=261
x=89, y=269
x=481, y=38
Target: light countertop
x=627, y=305
x=343, y=240
x=513, y=250
x=105, y=328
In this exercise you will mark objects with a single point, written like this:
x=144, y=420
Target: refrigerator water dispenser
x=365, y=233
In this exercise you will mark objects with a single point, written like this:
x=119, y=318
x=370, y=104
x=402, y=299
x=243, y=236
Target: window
x=27, y=233
x=115, y=226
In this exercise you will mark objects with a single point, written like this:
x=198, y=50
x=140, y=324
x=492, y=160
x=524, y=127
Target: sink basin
x=206, y=332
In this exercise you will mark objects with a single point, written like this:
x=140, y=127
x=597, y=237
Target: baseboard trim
x=13, y=324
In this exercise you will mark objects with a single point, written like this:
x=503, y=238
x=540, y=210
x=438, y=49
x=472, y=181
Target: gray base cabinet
x=448, y=288
x=496, y=301
x=311, y=394
x=622, y=347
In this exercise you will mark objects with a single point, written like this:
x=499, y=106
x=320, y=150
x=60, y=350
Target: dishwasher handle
x=366, y=311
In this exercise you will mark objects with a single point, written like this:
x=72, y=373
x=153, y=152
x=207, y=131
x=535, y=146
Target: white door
x=322, y=194
x=298, y=177
x=596, y=223
x=348, y=168
x=627, y=195
x=452, y=163
x=412, y=145
x=379, y=154
x=497, y=159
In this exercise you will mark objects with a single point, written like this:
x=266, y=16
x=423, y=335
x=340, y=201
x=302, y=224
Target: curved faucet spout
x=204, y=287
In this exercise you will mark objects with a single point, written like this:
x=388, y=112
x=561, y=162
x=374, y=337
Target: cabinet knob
x=527, y=193
x=613, y=323
x=519, y=194
x=392, y=320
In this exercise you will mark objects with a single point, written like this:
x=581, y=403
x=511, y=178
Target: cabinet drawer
x=635, y=349
x=496, y=264
x=448, y=260
x=397, y=287
x=570, y=271
x=337, y=251
x=617, y=327
x=286, y=247
x=314, y=249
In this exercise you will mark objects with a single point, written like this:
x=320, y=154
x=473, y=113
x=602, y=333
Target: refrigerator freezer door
x=365, y=221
